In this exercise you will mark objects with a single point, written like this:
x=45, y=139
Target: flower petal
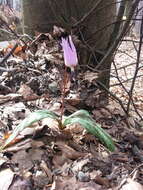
x=70, y=54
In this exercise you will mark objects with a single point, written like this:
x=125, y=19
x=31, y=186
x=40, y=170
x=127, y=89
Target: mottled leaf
x=92, y=127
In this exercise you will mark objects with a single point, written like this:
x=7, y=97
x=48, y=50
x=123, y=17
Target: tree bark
x=41, y=15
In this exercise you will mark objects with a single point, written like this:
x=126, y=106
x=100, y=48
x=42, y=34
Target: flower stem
x=63, y=93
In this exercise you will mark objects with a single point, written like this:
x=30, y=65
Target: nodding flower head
x=70, y=53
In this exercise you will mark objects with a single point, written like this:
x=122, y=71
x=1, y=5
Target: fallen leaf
x=27, y=93
x=67, y=154
x=21, y=184
x=132, y=185
x=9, y=97
x=2, y=161
x=6, y=178
x=70, y=183
x=90, y=76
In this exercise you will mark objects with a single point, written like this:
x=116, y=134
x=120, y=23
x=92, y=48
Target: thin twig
x=87, y=14
x=120, y=35
x=87, y=45
x=116, y=84
x=12, y=31
x=108, y=25
x=137, y=66
x=113, y=95
x=125, y=89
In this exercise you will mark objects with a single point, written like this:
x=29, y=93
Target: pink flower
x=70, y=54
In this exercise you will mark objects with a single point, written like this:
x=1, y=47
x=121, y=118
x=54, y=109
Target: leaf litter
x=44, y=157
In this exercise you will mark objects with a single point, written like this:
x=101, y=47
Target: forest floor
x=43, y=157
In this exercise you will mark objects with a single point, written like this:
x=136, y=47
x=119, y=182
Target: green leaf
x=80, y=113
x=89, y=124
x=32, y=118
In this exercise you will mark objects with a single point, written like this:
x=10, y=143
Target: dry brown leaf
x=102, y=181
x=21, y=184
x=70, y=152
x=27, y=93
x=67, y=154
x=70, y=183
x=80, y=163
x=73, y=99
x=75, y=128
x=26, y=160
x=53, y=124
x=94, y=174
x=25, y=144
x=90, y=76
x=9, y=97
x=15, y=111
x=2, y=125
x=45, y=168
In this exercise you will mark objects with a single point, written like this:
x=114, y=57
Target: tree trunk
x=41, y=15
x=139, y=19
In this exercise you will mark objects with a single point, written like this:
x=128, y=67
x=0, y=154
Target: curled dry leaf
x=70, y=152
x=67, y=154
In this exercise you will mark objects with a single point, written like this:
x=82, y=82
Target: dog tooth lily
x=70, y=53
